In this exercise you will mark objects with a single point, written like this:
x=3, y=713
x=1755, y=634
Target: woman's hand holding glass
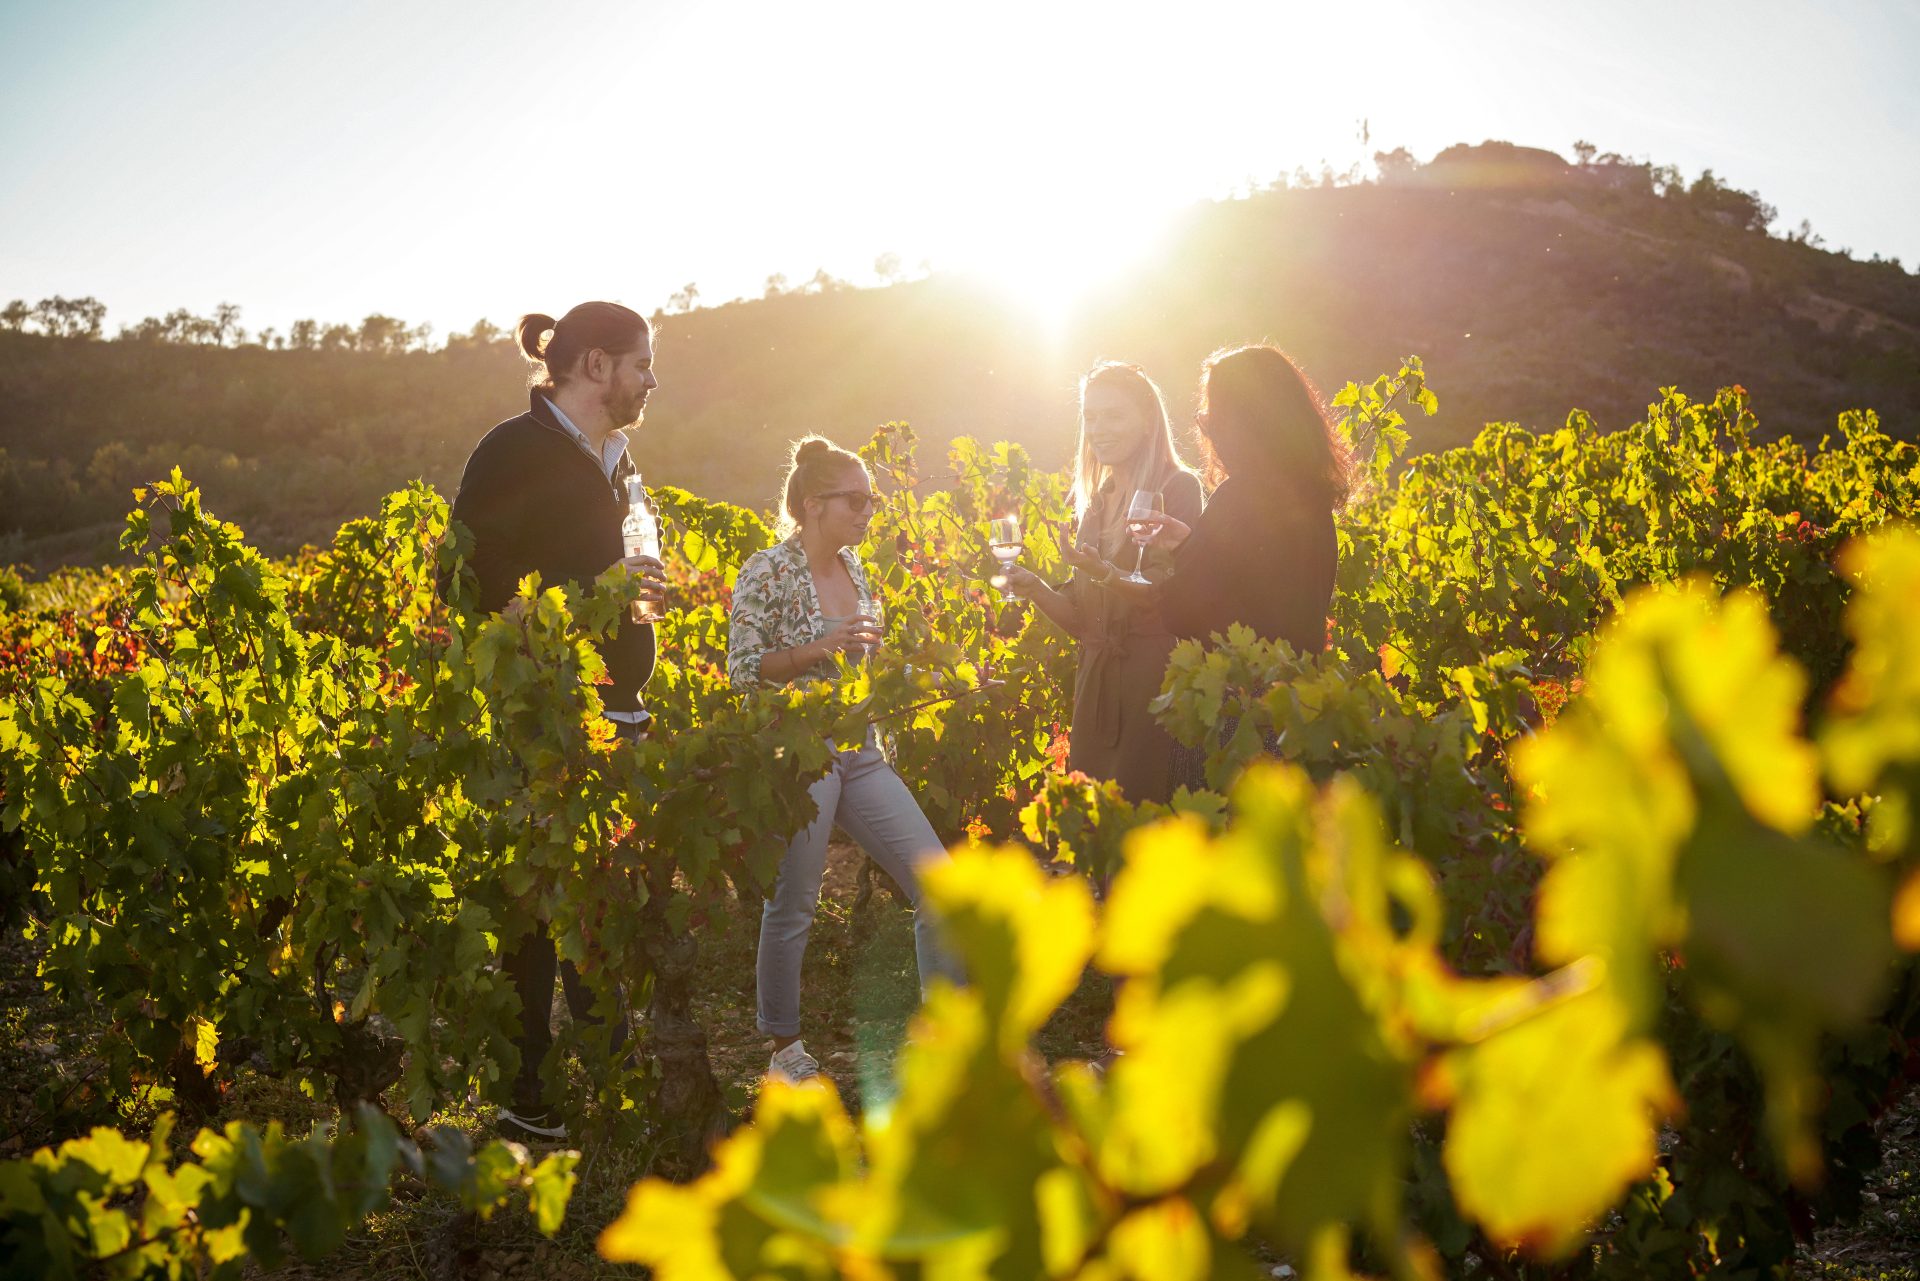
x=857, y=635
x=1005, y=542
x=1165, y=531
x=1023, y=581
x=1145, y=506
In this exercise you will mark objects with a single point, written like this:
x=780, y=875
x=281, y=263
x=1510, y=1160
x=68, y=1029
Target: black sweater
x=535, y=501
x=1254, y=558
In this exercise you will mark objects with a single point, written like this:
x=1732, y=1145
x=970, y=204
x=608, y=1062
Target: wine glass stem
x=1139, y=559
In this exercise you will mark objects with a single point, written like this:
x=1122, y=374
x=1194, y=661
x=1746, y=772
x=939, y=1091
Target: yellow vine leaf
x=1026, y=936
x=206, y=1042
x=1675, y=801
x=959, y=1163
x=1877, y=702
x=765, y=1204
x=1552, y=1119
x=1261, y=966
x=1906, y=913
x=1165, y=1241
x=1716, y=659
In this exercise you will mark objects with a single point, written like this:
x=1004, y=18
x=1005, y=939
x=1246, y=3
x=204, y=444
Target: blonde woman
x=1125, y=445
x=795, y=607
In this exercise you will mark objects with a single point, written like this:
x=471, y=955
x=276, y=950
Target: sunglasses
x=858, y=500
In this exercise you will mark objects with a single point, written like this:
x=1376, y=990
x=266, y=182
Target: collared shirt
x=611, y=450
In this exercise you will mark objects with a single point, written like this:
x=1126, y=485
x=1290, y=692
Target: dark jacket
x=535, y=501
x=1254, y=558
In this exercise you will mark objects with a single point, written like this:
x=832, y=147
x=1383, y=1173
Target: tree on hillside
x=304, y=335
x=184, y=326
x=381, y=333
x=1611, y=169
x=483, y=334
x=1397, y=165
x=1806, y=235
x=887, y=267
x=776, y=285
x=1723, y=203
x=70, y=317
x=823, y=283
x=1583, y=153
x=386, y=336
x=178, y=326
x=682, y=299
x=15, y=315
x=226, y=325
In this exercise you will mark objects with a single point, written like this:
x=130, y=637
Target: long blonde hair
x=1156, y=462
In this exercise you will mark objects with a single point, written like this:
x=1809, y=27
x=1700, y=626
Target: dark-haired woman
x=796, y=606
x=1264, y=554
x=1125, y=445
x=545, y=492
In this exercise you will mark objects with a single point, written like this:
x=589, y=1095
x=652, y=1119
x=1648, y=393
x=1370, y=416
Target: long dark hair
x=554, y=347
x=1262, y=417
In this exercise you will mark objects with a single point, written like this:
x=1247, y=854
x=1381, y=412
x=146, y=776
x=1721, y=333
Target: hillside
x=1529, y=285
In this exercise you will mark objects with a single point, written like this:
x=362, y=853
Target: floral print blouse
x=776, y=607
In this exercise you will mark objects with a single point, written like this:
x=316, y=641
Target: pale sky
x=441, y=162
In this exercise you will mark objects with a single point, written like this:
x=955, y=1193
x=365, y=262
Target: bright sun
x=1051, y=261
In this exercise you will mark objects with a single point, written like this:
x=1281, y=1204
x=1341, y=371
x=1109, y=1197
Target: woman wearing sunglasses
x=796, y=606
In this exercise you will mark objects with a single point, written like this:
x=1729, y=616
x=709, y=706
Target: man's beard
x=627, y=411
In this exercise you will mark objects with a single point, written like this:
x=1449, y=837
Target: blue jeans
x=863, y=795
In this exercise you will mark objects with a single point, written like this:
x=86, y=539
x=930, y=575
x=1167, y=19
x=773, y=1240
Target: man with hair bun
x=545, y=492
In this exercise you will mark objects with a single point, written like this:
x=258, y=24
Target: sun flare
x=1048, y=266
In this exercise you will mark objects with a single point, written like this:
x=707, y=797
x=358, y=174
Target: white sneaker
x=531, y=1126
x=792, y=1064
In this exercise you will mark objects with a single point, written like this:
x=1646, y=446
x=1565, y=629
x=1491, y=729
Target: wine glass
x=1146, y=502
x=865, y=603
x=1004, y=538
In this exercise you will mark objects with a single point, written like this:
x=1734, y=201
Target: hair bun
x=532, y=327
x=814, y=447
